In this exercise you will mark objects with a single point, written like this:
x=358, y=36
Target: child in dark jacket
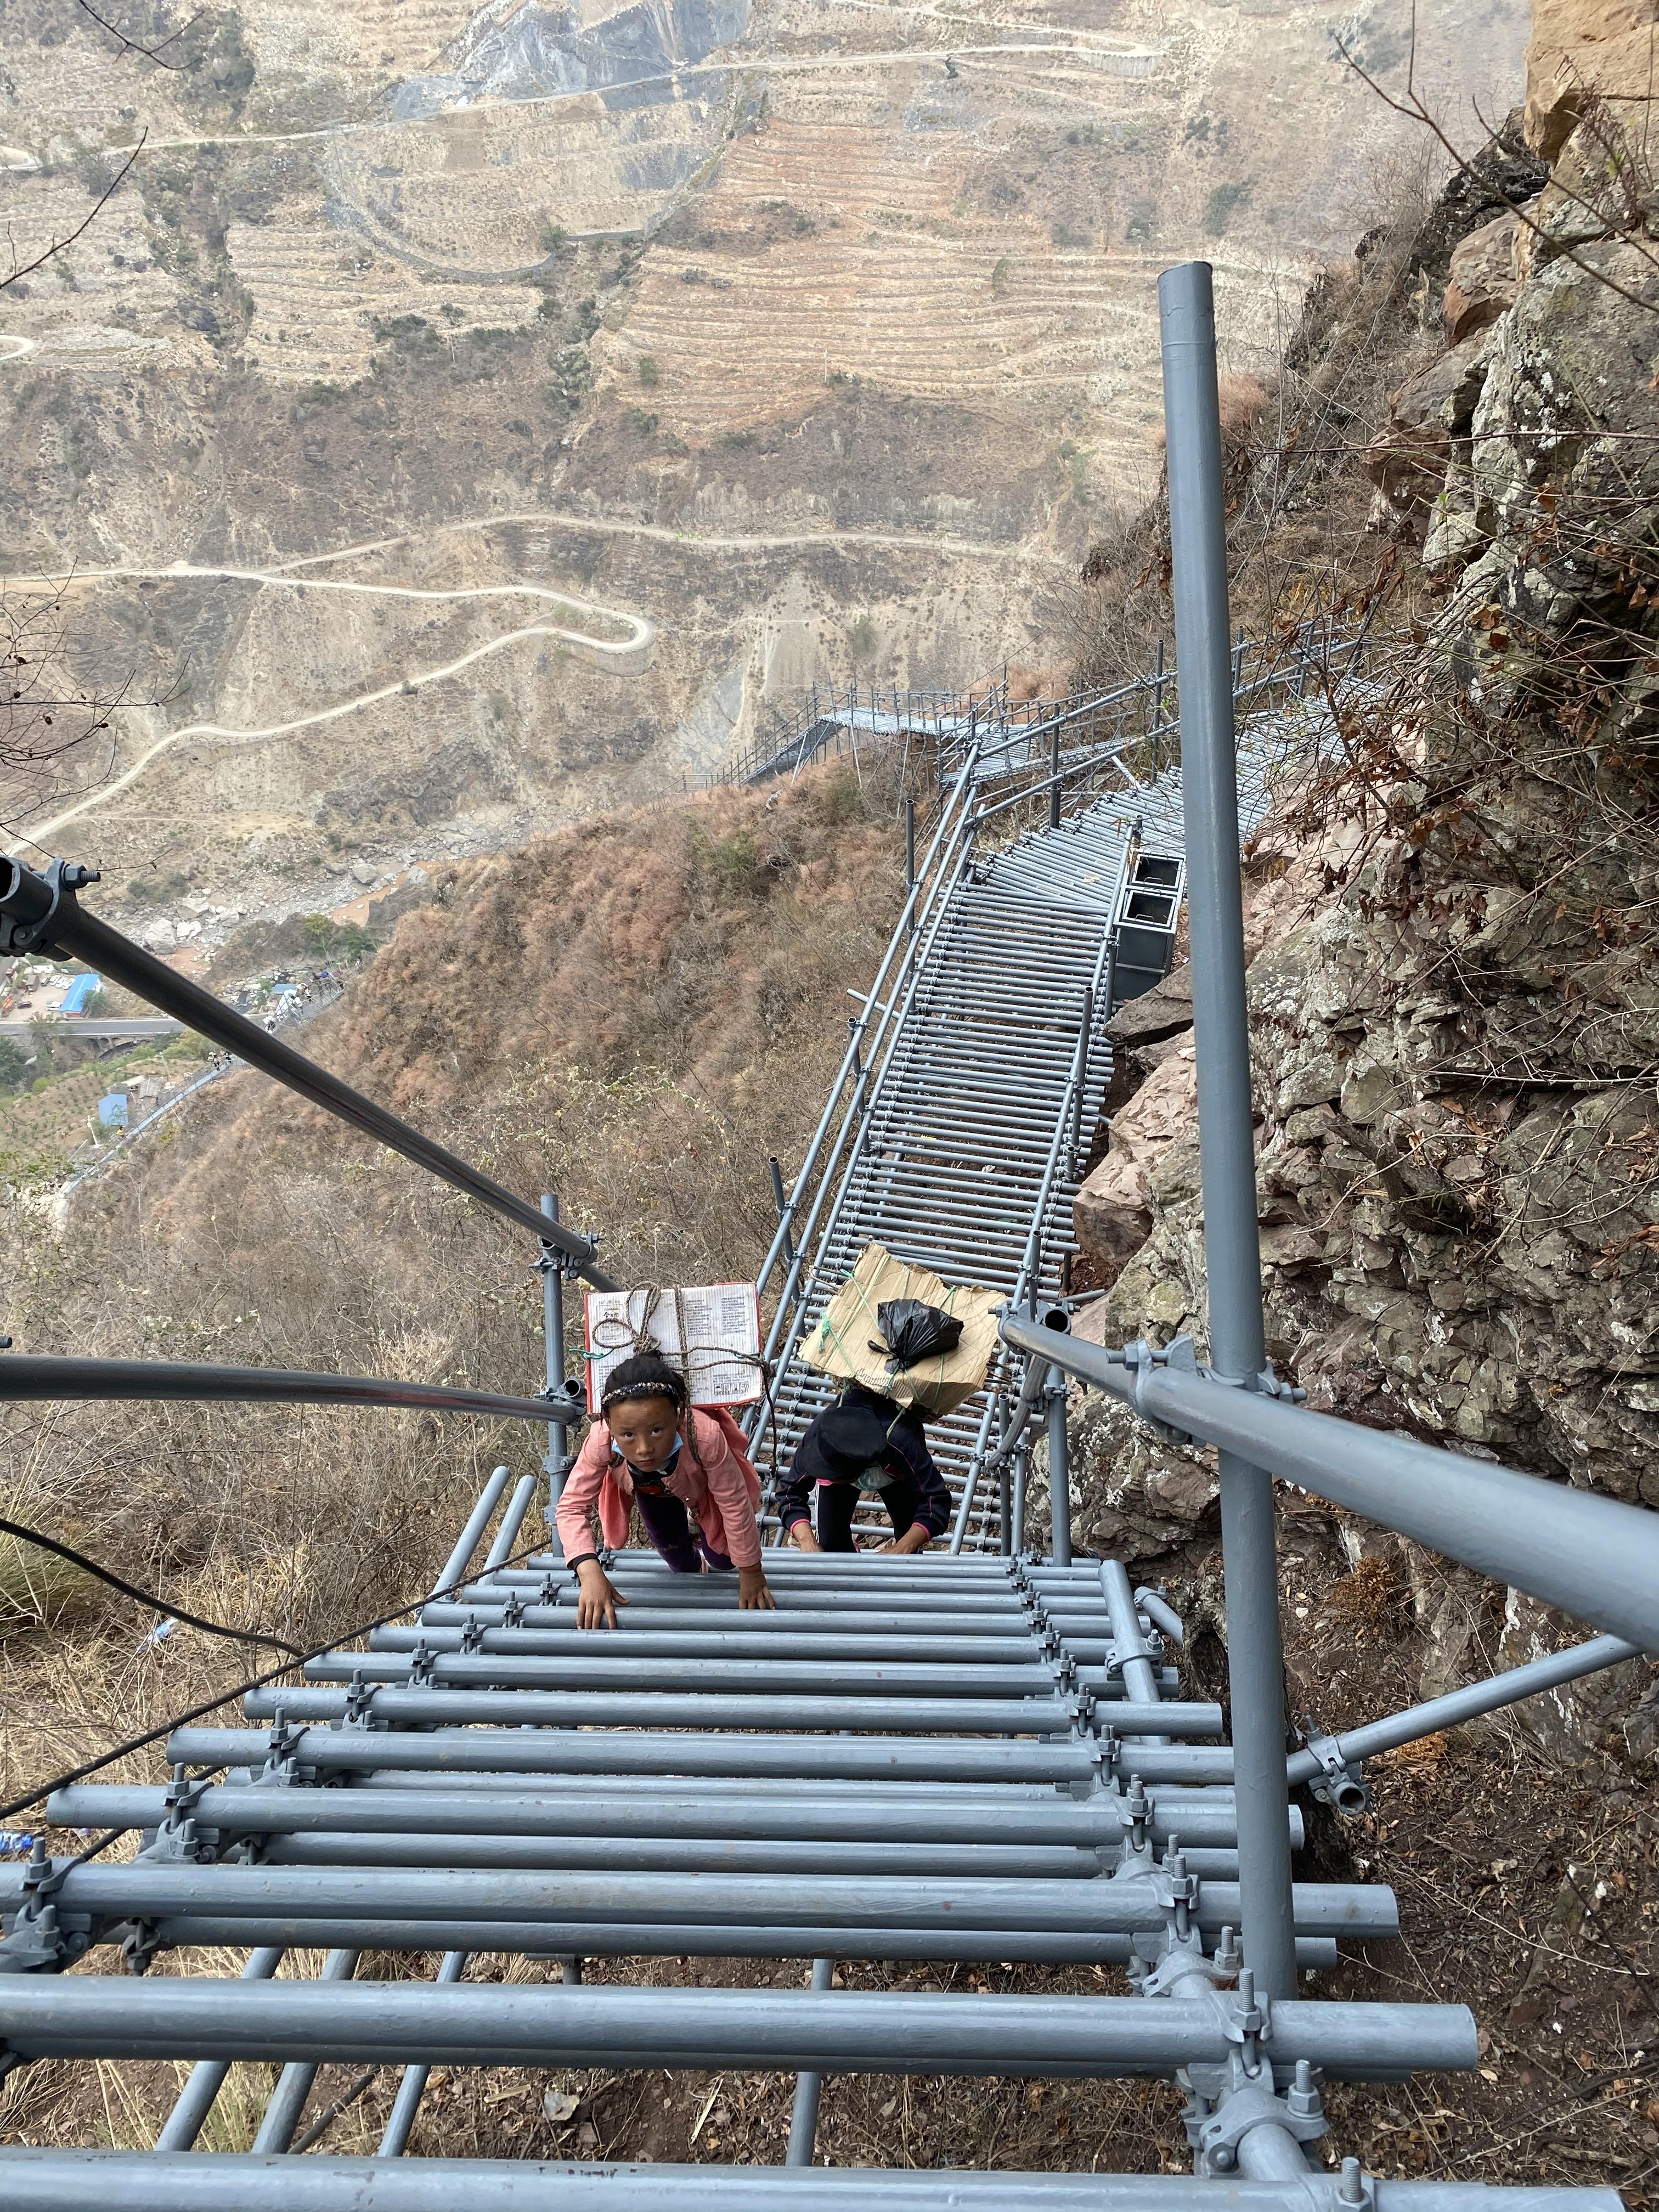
x=864, y=1444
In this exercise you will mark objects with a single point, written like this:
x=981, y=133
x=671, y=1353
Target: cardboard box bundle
x=839, y=1345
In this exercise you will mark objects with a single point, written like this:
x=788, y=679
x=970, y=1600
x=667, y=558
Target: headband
x=666, y=1386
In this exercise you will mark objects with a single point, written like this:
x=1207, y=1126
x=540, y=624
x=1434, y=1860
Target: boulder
x=1482, y=281
x=1579, y=48
x=1163, y=1011
x=1407, y=460
x=1112, y=1212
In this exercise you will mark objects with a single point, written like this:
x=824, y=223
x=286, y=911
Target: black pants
x=837, y=1501
x=675, y=1536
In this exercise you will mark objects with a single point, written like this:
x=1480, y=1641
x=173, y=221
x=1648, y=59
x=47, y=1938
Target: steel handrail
x=1595, y=1558
x=32, y=1375
x=43, y=913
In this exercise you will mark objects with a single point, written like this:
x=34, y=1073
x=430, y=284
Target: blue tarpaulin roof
x=79, y=990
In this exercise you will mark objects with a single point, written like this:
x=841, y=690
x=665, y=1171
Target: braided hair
x=648, y=1375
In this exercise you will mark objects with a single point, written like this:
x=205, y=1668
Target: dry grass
x=635, y=1013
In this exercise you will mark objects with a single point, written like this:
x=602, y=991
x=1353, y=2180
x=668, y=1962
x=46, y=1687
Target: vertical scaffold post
x=1059, y=1471
x=804, y=2120
x=1231, y=1246
x=782, y=1202
x=910, y=857
x=1054, y=789
x=1158, y=712
x=556, y=1464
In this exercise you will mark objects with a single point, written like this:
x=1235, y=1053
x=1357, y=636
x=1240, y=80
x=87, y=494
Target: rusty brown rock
x=1481, y=283
x=1581, y=47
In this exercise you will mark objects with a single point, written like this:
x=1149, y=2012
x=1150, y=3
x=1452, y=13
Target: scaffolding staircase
x=976, y=1078
x=476, y=1812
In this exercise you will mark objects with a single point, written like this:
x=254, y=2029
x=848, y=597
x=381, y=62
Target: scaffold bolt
x=1302, y=2098
x=1351, y=2190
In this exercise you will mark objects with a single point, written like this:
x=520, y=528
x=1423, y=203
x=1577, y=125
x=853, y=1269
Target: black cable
x=254, y=1682
x=144, y=1597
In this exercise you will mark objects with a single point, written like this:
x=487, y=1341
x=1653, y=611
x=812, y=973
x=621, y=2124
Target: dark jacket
x=862, y=1430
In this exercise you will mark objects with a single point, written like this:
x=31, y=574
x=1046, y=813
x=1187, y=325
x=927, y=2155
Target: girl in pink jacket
x=687, y=1471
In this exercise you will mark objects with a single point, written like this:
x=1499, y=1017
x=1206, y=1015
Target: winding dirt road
x=627, y=655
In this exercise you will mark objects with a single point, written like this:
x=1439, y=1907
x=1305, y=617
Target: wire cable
x=144, y=1597
x=255, y=1682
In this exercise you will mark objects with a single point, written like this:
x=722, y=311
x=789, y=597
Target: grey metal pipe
x=477, y=1522
x=1354, y=1746
x=872, y=1861
x=1225, y=1119
x=207, y=2077
x=1059, y=1472
x=719, y=1642
x=556, y=1461
x=1163, y=1615
x=160, y=1889
x=288, y=2099
x=32, y=1375
x=772, y=1679
x=441, y=1628
x=1269, y=2152
x=542, y=1939
x=1592, y=1557
x=762, y=2031
x=1138, y=1671
x=609, y=1752
x=947, y=1816
x=514, y=1709
x=140, y=2181
x=43, y=912
x=804, y=2116
x=518, y=1506
x=1019, y=1418
x=400, y=2123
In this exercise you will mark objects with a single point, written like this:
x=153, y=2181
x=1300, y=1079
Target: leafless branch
x=1414, y=110
x=48, y=716
x=1593, y=99
x=133, y=47
x=61, y=244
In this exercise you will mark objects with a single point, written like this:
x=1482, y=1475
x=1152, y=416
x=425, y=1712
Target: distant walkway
x=100, y=1028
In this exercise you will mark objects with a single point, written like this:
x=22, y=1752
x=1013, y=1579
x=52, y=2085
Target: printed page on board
x=710, y=1332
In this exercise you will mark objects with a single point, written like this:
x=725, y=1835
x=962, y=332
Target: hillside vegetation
x=635, y=1013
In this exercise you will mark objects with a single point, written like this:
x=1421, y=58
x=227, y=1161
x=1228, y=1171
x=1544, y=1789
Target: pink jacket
x=715, y=1481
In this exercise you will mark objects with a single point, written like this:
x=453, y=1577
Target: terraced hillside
x=816, y=337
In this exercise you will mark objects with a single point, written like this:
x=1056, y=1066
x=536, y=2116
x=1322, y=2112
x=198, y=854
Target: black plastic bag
x=912, y=1330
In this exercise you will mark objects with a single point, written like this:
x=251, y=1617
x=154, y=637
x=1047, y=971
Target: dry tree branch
x=63, y=244
x=1413, y=110
x=1592, y=98
x=46, y=713
x=132, y=45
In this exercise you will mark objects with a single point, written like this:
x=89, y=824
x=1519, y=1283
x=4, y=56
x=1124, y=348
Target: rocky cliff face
x=1456, y=1019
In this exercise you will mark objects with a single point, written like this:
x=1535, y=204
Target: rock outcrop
x=1455, y=1018
x=1580, y=49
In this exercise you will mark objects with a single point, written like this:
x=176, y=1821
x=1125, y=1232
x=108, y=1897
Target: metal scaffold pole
x=557, y=1463
x=1232, y=1252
